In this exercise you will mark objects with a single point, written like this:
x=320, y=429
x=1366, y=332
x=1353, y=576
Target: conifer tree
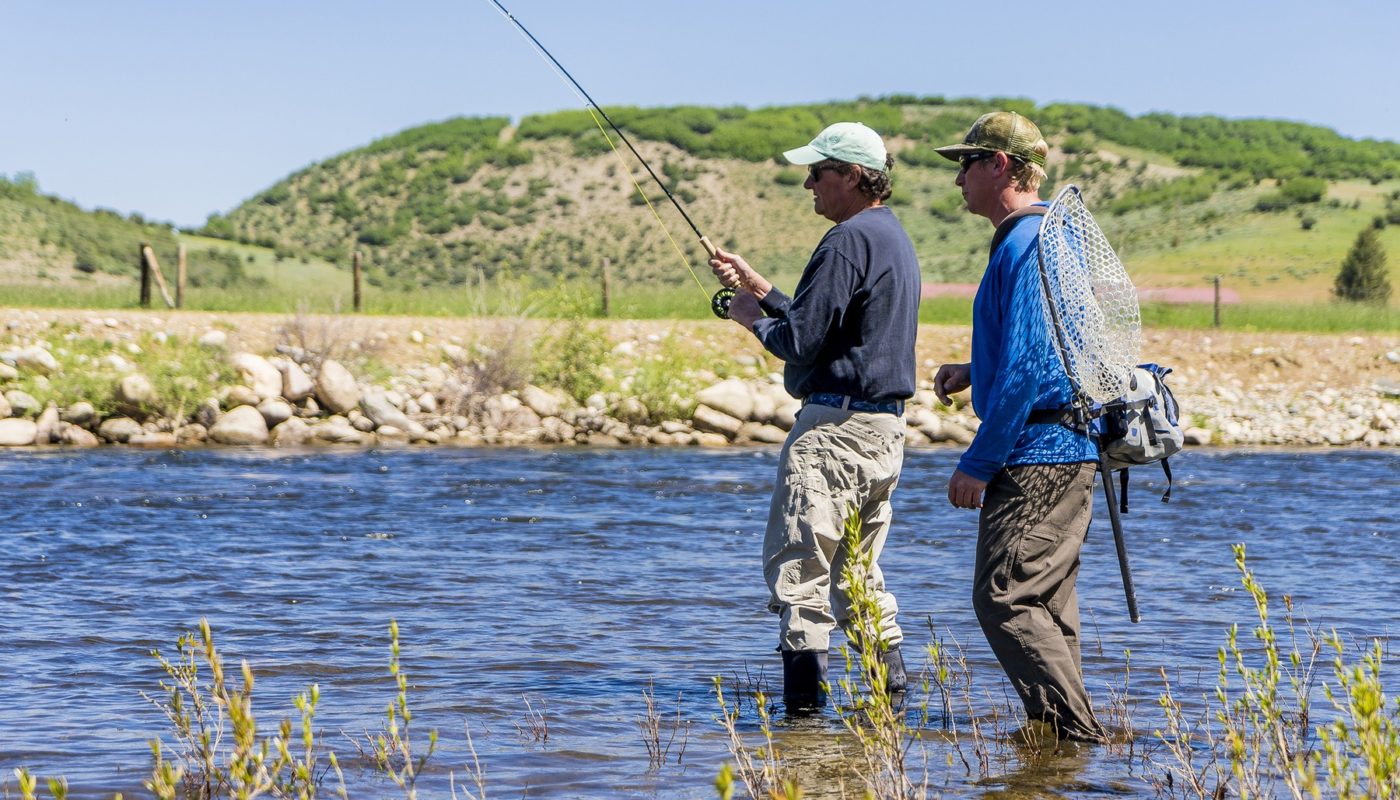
x=1363, y=277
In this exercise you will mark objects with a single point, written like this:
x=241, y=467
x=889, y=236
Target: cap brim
x=953, y=152
x=804, y=155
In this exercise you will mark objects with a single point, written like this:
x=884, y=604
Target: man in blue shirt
x=846, y=337
x=1033, y=480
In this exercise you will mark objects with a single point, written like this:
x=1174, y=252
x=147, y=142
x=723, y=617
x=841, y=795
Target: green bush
x=1363, y=277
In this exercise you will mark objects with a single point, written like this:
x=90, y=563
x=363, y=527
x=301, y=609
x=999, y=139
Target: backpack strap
x=1004, y=229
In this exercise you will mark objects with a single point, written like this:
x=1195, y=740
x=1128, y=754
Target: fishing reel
x=719, y=303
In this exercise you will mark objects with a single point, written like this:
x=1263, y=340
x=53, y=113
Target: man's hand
x=744, y=309
x=733, y=271
x=951, y=379
x=965, y=491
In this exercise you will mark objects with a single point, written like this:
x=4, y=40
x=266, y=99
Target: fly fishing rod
x=719, y=302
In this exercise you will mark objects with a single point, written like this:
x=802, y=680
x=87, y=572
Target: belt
x=848, y=403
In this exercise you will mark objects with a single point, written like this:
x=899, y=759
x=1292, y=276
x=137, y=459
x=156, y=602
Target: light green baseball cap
x=851, y=142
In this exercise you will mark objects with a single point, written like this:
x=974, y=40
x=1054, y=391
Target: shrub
x=1363, y=277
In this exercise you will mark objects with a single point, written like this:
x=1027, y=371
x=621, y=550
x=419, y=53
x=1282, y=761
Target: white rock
x=119, y=429
x=22, y=403
x=335, y=388
x=275, y=411
x=296, y=384
x=76, y=436
x=381, y=410
x=1197, y=436
x=709, y=419
x=37, y=360
x=16, y=432
x=427, y=402
x=5, y=409
x=542, y=402
x=214, y=340
x=47, y=423
x=292, y=432
x=7, y=372
x=731, y=397
x=258, y=374
x=240, y=395
x=241, y=425
x=415, y=336
x=135, y=390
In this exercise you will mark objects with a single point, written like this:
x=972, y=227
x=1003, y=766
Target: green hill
x=1272, y=206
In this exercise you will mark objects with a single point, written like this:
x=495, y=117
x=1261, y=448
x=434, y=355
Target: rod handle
x=709, y=246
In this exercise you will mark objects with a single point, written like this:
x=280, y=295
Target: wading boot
x=896, y=682
x=804, y=672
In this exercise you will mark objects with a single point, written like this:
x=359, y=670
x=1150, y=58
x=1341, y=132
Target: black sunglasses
x=968, y=160
x=816, y=170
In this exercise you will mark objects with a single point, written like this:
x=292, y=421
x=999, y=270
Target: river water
x=539, y=589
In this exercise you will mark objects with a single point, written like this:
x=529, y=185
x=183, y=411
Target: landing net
x=1088, y=299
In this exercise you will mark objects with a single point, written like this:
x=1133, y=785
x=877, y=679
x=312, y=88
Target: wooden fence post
x=1217, y=301
x=356, y=261
x=153, y=269
x=145, y=276
x=180, y=269
x=607, y=267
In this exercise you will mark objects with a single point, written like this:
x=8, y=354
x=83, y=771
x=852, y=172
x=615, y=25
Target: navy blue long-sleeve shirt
x=849, y=327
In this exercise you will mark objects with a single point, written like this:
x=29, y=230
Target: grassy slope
x=474, y=216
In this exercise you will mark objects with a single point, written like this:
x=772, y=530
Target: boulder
x=36, y=360
x=48, y=423
x=119, y=429
x=208, y=412
x=379, y=407
x=292, y=432
x=240, y=395
x=541, y=401
x=194, y=433
x=22, y=403
x=1197, y=436
x=708, y=419
x=134, y=391
x=337, y=432
x=731, y=397
x=785, y=415
x=15, y=432
x=7, y=372
x=4, y=407
x=335, y=388
x=296, y=384
x=242, y=425
x=767, y=434
x=275, y=411
x=214, y=340
x=76, y=436
x=258, y=374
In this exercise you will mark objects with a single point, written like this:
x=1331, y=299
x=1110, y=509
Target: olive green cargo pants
x=1033, y=523
x=833, y=460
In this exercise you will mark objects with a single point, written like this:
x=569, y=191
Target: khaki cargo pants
x=832, y=460
x=1034, y=521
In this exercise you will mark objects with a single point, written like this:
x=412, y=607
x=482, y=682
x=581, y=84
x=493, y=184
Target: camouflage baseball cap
x=1004, y=131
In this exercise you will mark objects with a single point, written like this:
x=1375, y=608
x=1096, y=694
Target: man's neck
x=856, y=208
x=1009, y=203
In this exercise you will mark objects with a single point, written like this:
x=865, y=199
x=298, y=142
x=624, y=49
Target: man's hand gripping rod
x=719, y=303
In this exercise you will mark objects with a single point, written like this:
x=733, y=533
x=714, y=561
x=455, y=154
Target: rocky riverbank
x=76, y=378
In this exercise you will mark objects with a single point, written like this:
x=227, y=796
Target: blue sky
x=180, y=109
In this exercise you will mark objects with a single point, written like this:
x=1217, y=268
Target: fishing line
x=719, y=302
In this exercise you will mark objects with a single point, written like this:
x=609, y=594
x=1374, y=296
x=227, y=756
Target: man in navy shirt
x=1033, y=481
x=846, y=337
